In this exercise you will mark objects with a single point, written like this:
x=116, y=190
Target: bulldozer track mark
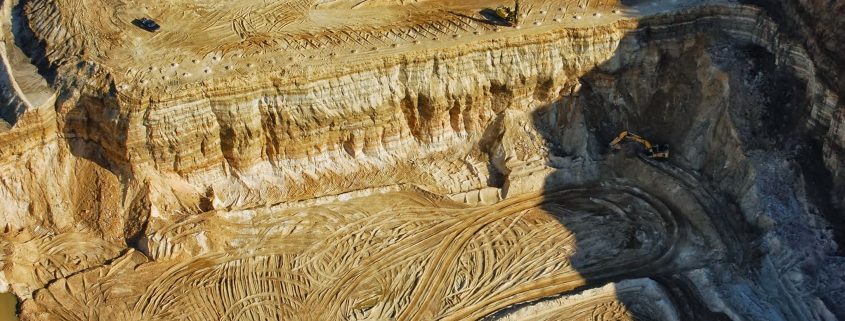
x=446, y=253
x=417, y=30
x=408, y=258
x=442, y=26
x=452, y=26
x=427, y=29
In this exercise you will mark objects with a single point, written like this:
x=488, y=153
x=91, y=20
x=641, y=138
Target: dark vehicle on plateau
x=146, y=24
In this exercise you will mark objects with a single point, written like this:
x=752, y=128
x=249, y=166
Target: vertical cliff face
x=440, y=184
x=368, y=121
x=817, y=25
x=741, y=118
x=826, y=20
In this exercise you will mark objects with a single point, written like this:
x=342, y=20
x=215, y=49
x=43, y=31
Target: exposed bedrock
x=754, y=180
x=267, y=141
x=815, y=23
x=744, y=145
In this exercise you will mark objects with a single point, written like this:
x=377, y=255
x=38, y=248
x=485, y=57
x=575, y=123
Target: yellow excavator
x=655, y=151
x=508, y=14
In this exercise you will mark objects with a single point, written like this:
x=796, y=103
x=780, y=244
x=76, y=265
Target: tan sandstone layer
x=188, y=171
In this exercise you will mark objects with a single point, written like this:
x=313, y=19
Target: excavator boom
x=653, y=151
x=640, y=140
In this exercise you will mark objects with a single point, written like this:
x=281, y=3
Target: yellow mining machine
x=508, y=14
x=658, y=152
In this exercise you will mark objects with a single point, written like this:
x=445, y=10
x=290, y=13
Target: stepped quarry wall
x=222, y=175
x=253, y=140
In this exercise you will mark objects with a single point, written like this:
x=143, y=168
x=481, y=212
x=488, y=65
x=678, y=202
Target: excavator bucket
x=615, y=143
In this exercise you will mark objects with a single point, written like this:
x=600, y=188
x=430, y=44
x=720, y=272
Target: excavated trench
x=545, y=222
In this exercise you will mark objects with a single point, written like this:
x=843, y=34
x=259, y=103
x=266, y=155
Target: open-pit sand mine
x=422, y=160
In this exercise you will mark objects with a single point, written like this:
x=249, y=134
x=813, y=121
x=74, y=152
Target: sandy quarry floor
x=201, y=40
x=378, y=250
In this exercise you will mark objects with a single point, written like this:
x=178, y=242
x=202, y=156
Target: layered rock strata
x=188, y=178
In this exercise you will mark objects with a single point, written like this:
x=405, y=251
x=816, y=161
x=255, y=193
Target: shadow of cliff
x=611, y=101
x=488, y=15
x=818, y=31
x=26, y=40
x=659, y=93
x=104, y=188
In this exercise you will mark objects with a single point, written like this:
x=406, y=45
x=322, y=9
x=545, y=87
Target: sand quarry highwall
x=743, y=106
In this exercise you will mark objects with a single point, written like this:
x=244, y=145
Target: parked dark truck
x=146, y=24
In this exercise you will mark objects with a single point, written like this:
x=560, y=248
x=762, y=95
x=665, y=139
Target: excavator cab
x=653, y=151
x=659, y=151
